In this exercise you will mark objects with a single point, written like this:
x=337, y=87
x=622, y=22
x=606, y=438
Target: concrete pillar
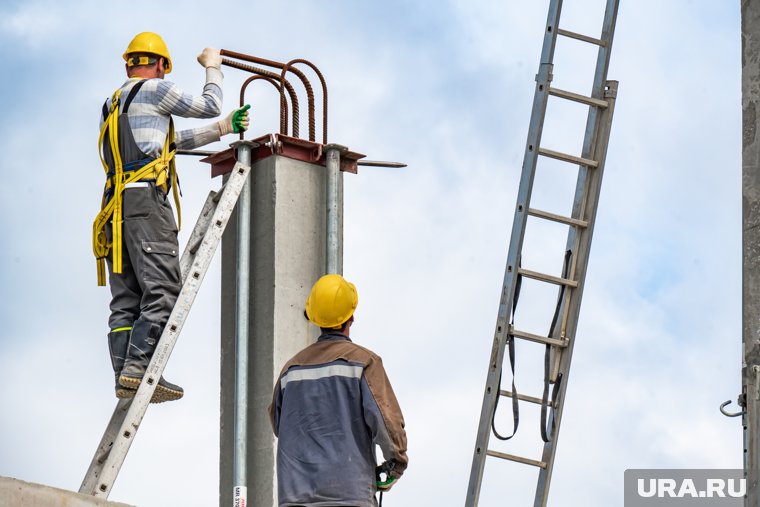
x=26, y=494
x=288, y=235
x=751, y=246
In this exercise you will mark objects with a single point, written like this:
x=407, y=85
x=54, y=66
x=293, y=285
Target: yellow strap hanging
x=161, y=169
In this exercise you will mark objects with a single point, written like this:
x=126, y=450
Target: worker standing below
x=135, y=233
x=331, y=405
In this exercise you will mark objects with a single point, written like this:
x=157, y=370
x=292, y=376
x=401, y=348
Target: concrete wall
x=751, y=242
x=15, y=493
x=288, y=217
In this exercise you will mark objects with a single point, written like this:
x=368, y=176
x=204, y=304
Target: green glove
x=240, y=119
x=236, y=121
x=387, y=484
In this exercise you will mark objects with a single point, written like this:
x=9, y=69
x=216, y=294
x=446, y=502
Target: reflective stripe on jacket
x=332, y=404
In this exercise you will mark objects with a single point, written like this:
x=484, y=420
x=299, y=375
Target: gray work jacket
x=331, y=405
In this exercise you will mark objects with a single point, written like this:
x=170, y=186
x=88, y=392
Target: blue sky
x=446, y=87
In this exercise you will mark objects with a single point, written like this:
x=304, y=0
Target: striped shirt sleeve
x=194, y=138
x=173, y=101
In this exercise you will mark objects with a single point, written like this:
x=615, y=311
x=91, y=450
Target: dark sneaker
x=125, y=392
x=165, y=390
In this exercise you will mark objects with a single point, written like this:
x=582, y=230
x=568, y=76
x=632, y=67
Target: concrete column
x=288, y=225
x=751, y=246
x=26, y=494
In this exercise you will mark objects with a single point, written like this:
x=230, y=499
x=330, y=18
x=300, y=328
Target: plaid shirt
x=158, y=99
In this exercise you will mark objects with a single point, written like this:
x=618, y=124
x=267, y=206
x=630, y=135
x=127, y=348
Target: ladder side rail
x=540, y=100
x=599, y=90
x=505, y=306
x=595, y=143
x=201, y=226
x=171, y=332
x=89, y=483
x=574, y=305
x=120, y=412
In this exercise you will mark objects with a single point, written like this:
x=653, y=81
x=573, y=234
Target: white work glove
x=237, y=121
x=210, y=57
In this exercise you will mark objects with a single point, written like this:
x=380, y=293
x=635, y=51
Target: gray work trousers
x=150, y=281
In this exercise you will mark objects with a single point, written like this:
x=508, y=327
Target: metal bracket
x=545, y=73
x=610, y=90
x=740, y=401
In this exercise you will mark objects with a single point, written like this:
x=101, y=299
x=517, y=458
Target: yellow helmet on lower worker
x=149, y=42
x=332, y=302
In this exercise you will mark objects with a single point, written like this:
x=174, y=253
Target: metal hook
x=728, y=414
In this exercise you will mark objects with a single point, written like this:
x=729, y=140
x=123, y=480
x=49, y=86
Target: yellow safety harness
x=161, y=170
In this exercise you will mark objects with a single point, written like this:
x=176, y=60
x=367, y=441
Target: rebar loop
x=279, y=65
x=288, y=66
x=291, y=91
x=283, y=101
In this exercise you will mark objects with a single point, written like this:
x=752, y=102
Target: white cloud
x=34, y=26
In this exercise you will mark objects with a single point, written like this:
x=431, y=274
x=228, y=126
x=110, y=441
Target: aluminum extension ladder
x=561, y=338
x=194, y=264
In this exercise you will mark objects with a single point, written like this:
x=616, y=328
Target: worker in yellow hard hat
x=149, y=46
x=332, y=403
x=135, y=234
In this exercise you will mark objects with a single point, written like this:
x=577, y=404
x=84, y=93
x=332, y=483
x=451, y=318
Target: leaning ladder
x=561, y=337
x=194, y=264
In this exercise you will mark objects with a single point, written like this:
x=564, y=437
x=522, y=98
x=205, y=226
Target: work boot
x=118, y=341
x=142, y=343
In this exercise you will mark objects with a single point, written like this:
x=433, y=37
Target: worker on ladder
x=135, y=233
x=331, y=405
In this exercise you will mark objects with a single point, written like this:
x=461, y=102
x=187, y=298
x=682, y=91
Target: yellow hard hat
x=332, y=302
x=149, y=42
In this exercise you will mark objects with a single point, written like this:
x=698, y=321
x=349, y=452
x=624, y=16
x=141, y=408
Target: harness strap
x=131, y=95
x=162, y=170
x=511, y=349
x=545, y=403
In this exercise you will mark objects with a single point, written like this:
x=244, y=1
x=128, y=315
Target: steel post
x=240, y=491
x=333, y=257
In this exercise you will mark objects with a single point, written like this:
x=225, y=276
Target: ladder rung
x=568, y=158
x=519, y=459
x=547, y=278
x=523, y=397
x=537, y=338
x=590, y=101
x=584, y=38
x=557, y=218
